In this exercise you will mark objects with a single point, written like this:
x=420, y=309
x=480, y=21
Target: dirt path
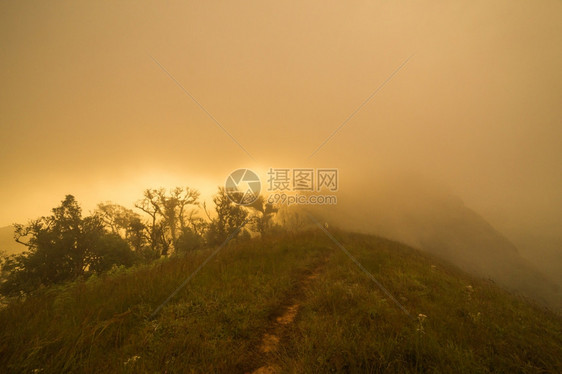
x=271, y=339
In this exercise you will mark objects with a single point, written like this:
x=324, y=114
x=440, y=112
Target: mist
x=428, y=217
x=467, y=100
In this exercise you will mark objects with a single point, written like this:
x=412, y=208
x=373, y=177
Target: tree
x=188, y=240
x=149, y=205
x=123, y=222
x=230, y=217
x=261, y=221
x=61, y=247
x=168, y=215
x=174, y=210
x=109, y=250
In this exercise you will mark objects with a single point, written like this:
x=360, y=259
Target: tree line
x=67, y=245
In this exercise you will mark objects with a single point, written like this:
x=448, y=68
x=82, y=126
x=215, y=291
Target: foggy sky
x=84, y=109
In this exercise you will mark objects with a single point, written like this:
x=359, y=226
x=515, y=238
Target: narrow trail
x=288, y=313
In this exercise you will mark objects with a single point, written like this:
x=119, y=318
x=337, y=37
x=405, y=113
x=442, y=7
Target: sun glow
x=128, y=191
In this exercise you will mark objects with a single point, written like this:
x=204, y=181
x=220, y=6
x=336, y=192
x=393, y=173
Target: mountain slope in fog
x=442, y=225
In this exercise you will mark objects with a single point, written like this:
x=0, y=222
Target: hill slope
x=293, y=304
x=443, y=225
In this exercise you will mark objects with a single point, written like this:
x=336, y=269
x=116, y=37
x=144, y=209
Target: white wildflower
x=421, y=319
x=131, y=360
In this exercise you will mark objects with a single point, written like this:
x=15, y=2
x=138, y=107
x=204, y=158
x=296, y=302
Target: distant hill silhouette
x=8, y=245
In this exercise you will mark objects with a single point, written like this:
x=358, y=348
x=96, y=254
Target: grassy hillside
x=291, y=304
x=444, y=226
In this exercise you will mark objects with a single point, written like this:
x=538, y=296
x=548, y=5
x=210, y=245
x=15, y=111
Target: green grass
x=345, y=324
